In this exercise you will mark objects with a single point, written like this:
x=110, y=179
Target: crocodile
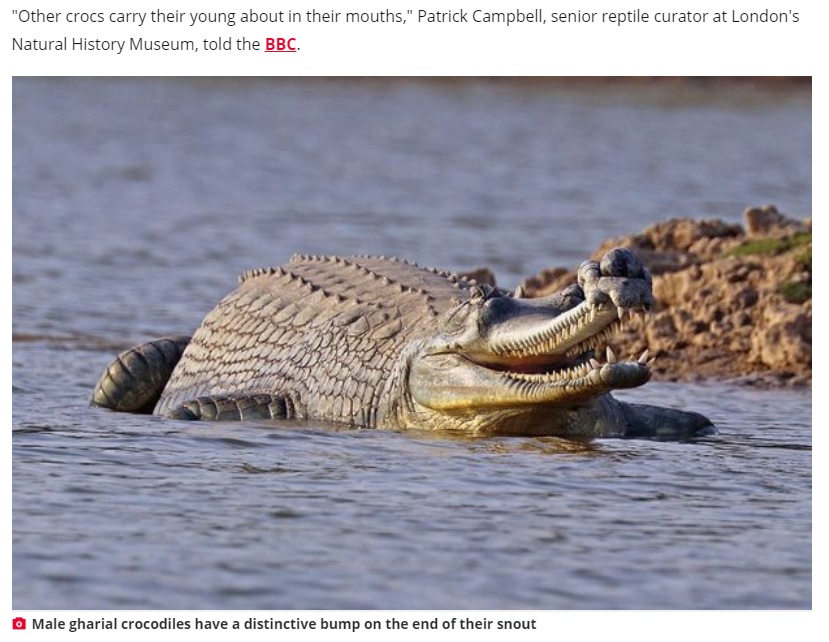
x=374, y=342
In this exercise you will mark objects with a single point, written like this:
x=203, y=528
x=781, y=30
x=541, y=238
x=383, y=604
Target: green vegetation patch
x=799, y=289
x=804, y=260
x=773, y=246
x=796, y=292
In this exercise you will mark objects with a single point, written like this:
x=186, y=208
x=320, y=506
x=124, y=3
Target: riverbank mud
x=733, y=301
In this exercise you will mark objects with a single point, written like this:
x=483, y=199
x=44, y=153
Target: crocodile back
x=324, y=331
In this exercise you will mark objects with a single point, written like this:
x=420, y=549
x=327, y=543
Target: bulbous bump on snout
x=620, y=278
x=621, y=261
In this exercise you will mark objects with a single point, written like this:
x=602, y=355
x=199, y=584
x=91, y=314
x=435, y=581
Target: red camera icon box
x=19, y=624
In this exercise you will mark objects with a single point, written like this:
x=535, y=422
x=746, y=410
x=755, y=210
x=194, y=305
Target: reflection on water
x=137, y=202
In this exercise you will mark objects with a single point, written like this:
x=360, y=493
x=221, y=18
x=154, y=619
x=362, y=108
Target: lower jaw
x=585, y=421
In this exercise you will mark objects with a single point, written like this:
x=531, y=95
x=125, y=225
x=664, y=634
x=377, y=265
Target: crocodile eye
x=456, y=322
x=477, y=295
x=457, y=319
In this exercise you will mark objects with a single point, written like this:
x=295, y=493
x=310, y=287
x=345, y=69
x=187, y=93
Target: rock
x=783, y=337
x=767, y=221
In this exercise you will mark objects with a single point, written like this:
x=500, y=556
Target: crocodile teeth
x=519, y=293
x=611, y=356
x=644, y=358
x=620, y=312
x=595, y=363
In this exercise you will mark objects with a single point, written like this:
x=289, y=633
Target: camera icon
x=19, y=624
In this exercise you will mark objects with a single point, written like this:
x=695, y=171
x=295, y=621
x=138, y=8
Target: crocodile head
x=501, y=363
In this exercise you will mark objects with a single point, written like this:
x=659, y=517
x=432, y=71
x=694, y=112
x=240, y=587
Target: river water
x=136, y=202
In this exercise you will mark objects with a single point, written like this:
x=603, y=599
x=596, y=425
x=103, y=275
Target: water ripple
x=120, y=193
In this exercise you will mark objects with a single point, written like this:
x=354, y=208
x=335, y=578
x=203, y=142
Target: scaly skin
x=381, y=343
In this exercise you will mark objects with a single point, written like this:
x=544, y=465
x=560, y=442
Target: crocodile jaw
x=527, y=341
x=547, y=364
x=450, y=382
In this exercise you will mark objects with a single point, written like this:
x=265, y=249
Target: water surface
x=136, y=203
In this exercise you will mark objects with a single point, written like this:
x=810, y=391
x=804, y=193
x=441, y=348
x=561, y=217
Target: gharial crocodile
x=382, y=343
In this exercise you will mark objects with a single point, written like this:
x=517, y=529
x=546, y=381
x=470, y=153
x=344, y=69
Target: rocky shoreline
x=733, y=301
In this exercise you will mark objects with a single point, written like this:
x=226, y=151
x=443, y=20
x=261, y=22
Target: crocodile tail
x=134, y=380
